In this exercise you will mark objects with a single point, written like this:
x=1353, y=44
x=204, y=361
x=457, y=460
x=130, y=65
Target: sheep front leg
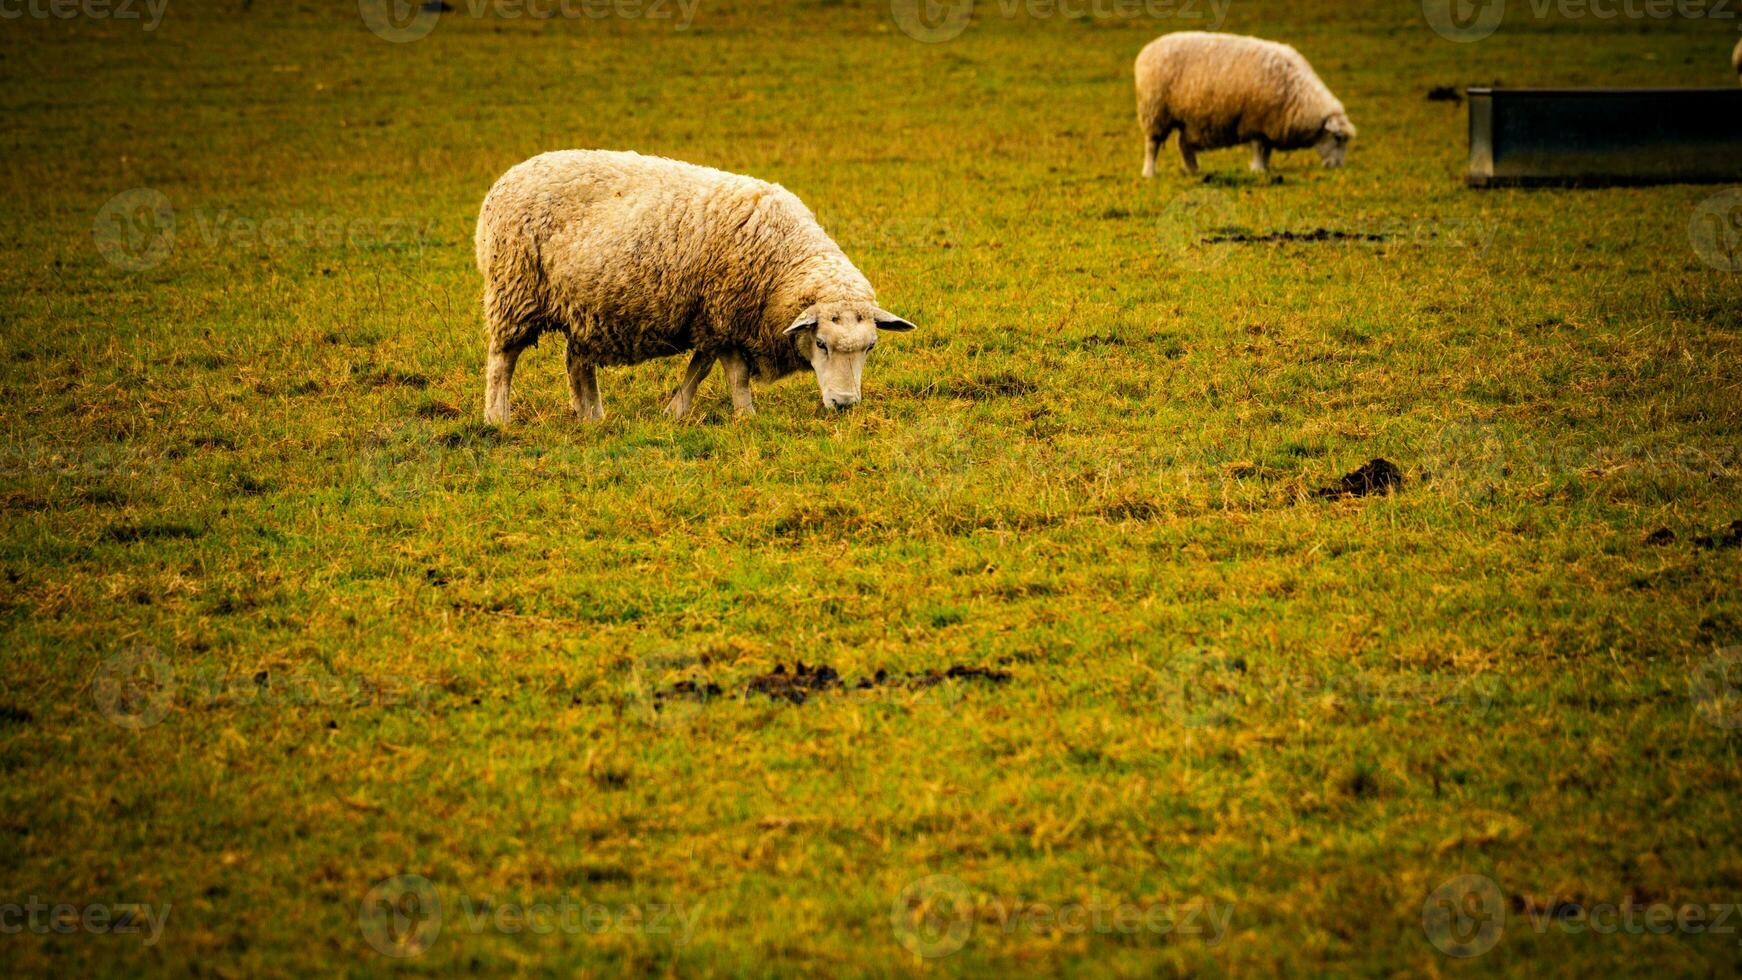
x=498, y=379
x=738, y=375
x=1150, y=146
x=1260, y=157
x=583, y=386
x=680, y=403
x=1188, y=155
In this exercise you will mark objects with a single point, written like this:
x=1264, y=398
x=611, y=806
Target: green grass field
x=283, y=619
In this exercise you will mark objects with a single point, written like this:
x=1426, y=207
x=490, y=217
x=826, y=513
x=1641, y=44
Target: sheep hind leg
x=498, y=380
x=1260, y=157
x=1151, y=145
x=1188, y=155
x=583, y=386
x=680, y=403
x=738, y=375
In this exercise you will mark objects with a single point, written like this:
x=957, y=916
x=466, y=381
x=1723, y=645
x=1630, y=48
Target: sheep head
x=837, y=337
x=1334, y=139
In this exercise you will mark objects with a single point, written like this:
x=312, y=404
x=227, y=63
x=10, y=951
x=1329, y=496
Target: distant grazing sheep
x=634, y=257
x=1221, y=90
x=1736, y=61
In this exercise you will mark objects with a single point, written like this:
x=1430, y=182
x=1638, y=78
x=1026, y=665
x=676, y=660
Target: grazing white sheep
x=634, y=257
x=1221, y=90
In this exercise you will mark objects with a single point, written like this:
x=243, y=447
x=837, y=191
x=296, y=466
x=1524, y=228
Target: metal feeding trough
x=1591, y=136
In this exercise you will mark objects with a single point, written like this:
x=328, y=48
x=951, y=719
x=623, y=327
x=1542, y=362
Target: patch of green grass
x=283, y=618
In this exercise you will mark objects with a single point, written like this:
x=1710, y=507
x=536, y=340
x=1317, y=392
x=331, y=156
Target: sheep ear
x=889, y=321
x=806, y=321
x=1340, y=127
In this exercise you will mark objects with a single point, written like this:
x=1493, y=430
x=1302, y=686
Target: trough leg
x=498, y=379
x=680, y=403
x=1188, y=156
x=738, y=375
x=583, y=386
x=1150, y=145
x=1260, y=157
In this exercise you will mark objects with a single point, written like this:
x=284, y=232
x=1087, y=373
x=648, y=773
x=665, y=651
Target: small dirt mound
x=1316, y=235
x=1728, y=536
x=1377, y=475
x=957, y=673
x=802, y=681
x=796, y=686
x=433, y=409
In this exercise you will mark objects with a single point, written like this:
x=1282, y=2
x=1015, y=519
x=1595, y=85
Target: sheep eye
x=822, y=347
